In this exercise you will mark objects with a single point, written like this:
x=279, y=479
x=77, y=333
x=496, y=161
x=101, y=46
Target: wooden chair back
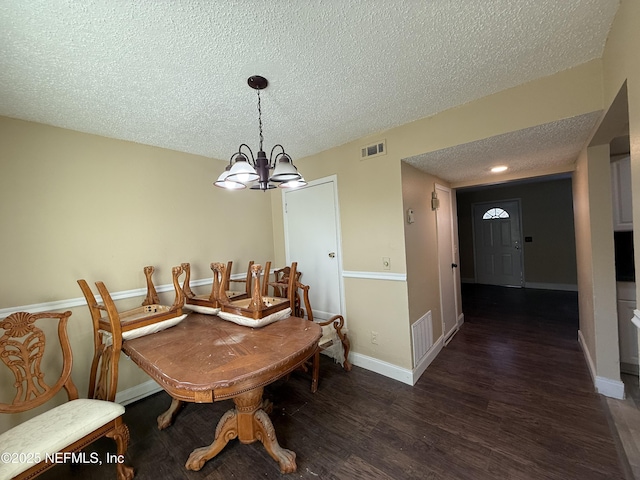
x=99, y=345
x=22, y=346
x=246, y=281
x=109, y=325
x=335, y=324
x=281, y=279
x=224, y=273
x=191, y=297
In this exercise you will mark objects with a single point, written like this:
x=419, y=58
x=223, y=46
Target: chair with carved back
x=333, y=334
x=259, y=309
x=225, y=289
x=31, y=446
x=281, y=281
x=110, y=330
x=204, y=303
x=246, y=282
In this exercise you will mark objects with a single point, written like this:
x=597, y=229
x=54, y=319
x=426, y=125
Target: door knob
x=454, y=265
x=332, y=255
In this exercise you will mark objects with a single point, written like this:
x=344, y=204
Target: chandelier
x=245, y=169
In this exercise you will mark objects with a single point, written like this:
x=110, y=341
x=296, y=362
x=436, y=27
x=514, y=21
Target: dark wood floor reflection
x=509, y=398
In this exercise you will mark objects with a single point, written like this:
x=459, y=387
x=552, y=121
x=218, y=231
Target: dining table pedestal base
x=248, y=422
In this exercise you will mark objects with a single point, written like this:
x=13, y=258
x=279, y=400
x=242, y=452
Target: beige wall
x=74, y=205
x=582, y=221
x=371, y=197
x=547, y=217
x=621, y=64
x=566, y=94
x=599, y=291
x=423, y=281
x=370, y=203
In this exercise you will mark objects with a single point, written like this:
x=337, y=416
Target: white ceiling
x=542, y=147
x=173, y=73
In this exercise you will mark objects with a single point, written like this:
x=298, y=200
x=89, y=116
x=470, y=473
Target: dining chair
x=247, y=282
x=333, y=334
x=206, y=303
x=281, y=280
x=111, y=327
x=32, y=446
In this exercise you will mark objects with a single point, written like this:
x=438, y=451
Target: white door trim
x=448, y=335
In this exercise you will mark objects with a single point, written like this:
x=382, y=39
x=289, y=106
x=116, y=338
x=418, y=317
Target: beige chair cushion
x=331, y=345
x=52, y=431
x=250, y=322
x=202, y=309
x=153, y=328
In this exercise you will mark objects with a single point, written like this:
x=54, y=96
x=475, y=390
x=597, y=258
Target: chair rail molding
x=80, y=301
x=395, y=277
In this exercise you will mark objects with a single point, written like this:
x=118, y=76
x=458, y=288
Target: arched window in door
x=495, y=212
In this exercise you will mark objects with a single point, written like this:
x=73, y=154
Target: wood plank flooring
x=626, y=416
x=509, y=398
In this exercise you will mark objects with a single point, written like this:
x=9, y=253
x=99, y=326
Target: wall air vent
x=374, y=150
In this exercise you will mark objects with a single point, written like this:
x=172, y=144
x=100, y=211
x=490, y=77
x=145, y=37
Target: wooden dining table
x=206, y=359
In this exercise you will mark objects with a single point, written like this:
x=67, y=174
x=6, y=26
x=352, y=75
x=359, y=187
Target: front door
x=312, y=239
x=498, y=243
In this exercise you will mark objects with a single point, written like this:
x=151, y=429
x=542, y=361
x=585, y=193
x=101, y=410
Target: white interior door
x=498, y=245
x=446, y=262
x=312, y=238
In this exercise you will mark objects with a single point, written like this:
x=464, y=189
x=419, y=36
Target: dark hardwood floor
x=509, y=398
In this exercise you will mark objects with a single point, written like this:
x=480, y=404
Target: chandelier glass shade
x=246, y=169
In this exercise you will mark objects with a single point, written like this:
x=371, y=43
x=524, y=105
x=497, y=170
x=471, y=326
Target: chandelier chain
x=260, y=119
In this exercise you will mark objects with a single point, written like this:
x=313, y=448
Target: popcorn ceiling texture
x=539, y=147
x=173, y=73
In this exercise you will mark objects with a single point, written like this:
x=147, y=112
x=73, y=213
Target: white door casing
x=447, y=264
x=498, y=243
x=312, y=238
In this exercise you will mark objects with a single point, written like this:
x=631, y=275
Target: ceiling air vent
x=374, y=150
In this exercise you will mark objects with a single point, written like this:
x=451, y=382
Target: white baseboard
x=138, y=392
x=565, y=287
x=383, y=368
x=629, y=368
x=389, y=370
x=460, y=320
x=610, y=387
x=606, y=386
x=432, y=353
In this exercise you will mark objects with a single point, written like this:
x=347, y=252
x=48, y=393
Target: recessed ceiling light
x=498, y=169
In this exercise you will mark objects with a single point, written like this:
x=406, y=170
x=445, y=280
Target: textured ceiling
x=554, y=144
x=173, y=73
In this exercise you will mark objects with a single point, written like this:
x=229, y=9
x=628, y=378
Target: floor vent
x=422, y=337
x=374, y=150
